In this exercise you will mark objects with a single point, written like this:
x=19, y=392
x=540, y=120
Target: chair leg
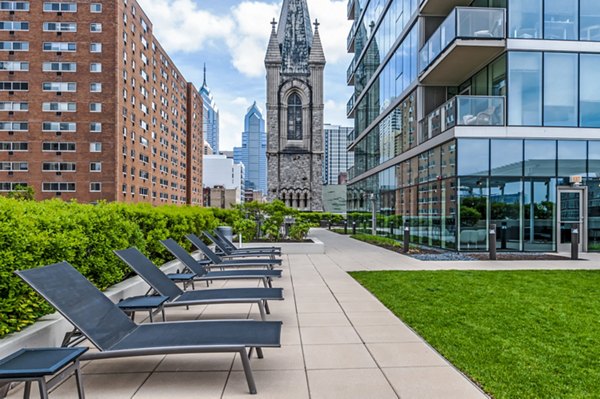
x=79, y=381
x=265, y=282
x=248, y=371
x=267, y=308
x=43, y=389
x=259, y=353
x=262, y=310
x=27, y=390
x=270, y=282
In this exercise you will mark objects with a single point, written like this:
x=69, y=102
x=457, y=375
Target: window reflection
x=505, y=211
x=540, y=158
x=589, y=90
x=525, y=89
x=590, y=20
x=561, y=19
x=525, y=18
x=473, y=157
x=560, y=89
x=572, y=158
x=507, y=158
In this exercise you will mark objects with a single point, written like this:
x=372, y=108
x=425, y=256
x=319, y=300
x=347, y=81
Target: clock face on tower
x=295, y=62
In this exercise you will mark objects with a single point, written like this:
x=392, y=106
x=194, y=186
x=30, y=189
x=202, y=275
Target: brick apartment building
x=92, y=108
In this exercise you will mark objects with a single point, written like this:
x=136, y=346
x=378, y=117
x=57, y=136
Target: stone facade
x=295, y=62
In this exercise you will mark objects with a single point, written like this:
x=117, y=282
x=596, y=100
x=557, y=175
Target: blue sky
x=231, y=36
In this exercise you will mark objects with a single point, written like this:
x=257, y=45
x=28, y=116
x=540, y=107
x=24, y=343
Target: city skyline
x=228, y=43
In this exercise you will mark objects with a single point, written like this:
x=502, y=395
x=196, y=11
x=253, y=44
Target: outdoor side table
x=34, y=365
x=144, y=303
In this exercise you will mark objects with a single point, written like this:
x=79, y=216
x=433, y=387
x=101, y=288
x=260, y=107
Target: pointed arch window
x=294, y=117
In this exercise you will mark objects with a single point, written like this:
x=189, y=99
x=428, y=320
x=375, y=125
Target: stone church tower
x=295, y=62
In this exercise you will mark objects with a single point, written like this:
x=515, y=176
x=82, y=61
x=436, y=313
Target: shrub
x=299, y=230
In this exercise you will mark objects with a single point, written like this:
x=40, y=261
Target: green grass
x=521, y=334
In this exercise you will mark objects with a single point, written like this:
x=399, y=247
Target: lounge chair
x=232, y=246
x=223, y=264
x=156, y=279
x=199, y=272
x=227, y=253
x=115, y=335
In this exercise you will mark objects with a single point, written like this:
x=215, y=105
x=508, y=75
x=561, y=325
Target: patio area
x=338, y=341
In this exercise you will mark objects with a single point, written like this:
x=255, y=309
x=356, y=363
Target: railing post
x=492, y=241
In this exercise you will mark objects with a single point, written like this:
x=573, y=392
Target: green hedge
x=39, y=233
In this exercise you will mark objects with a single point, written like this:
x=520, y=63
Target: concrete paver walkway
x=338, y=340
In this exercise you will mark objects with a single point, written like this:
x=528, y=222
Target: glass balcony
x=463, y=23
x=351, y=10
x=350, y=107
x=463, y=111
x=441, y=7
x=351, y=37
x=350, y=73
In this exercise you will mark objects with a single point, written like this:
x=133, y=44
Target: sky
x=231, y=37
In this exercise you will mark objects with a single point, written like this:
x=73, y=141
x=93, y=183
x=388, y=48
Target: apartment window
x=59, y=126
x=560, y=89
x=14, y=25
x=14, y=5
x=10, y=186
x=589, y=96
x=95, y=166
x=60, y=7
x=14, y=166
x=95, y=187
x=95, y=127
x=525, y=88
x=95, y=8
x=59, y=86
x=59, y=46
x=95, y=107
x=95, y=147
x=14, y=46
x=95, y=47
x=16, y=66
x=58, y=187
x=59, y=67
x=14, y=106
x=59, y=107
x=95, y=27
x=13, y=146
x=58, y=167
x=14, y=86
x=96, y=87
x=60, y=26
x=58, y=147
x=14, y=126
x=95, y=67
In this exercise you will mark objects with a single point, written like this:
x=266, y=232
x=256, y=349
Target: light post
x=373, y=215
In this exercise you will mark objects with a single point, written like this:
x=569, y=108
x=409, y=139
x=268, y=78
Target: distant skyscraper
x=337, y=158
x=253, y=152
x=210, y=116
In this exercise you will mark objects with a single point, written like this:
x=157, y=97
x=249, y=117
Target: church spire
x=317, y=55
x=273, y=53
x=295, y=37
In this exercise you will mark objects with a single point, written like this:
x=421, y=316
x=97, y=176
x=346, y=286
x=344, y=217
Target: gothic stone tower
x=295, y=62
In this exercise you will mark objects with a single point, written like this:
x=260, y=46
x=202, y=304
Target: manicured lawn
x=521, y=334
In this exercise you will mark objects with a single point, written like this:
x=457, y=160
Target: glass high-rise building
x=337, y=158
x=470, y=114
x=210, y=116
x=253, y=152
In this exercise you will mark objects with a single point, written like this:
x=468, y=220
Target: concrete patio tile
x=349, y=384
x=329, y=335
x=319, y=307
x=197, y=362
x=315, y=298
x=239, y=308
x=290, y=335
x=383, y=334
x=224, y=316
x=343, y=356
x=432, y=383
x=323, y=319
x=97, y=386
x=367, y=306
x=386, y=318
x=356, y=297
x=288, y=384
x=285, y=358
x=412, y=354
x=183, y=385
x=139, y=364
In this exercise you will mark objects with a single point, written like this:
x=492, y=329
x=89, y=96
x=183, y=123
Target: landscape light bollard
x=354, y=228
x=391, y=229
x=406, y=239
x=575, y=242
x=345, y=227
x=492, y=242
x=329, y=222
x=503, y=231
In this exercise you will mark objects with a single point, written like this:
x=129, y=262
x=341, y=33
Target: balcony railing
x=351, y=37
x=350, y=72
x=350, y=106
x=464, y=111
x=351, y=4
x=463, y=23
x=351, y=137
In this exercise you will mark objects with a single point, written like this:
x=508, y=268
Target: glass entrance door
x=571, y=215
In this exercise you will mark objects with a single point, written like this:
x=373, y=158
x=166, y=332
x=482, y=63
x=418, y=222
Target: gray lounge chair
x=232, y=246
x=226, y=253
x=156, y=279
x=200, y=273
x=115, y=335
x=218, y=262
